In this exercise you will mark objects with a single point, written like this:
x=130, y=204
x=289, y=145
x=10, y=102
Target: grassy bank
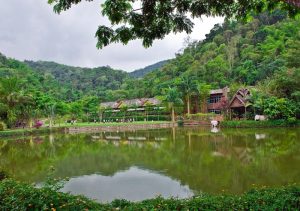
x=61, y=127
x=19, y=196
x=259, y=124
x=18, y=132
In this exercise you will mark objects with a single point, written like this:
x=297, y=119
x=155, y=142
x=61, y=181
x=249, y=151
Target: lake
x=175, y=162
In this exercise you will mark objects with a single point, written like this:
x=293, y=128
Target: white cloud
x=30, y=30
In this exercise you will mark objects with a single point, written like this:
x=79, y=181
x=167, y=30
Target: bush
x=2, y=126
x=268, y=123
x=201, y=116
x=19, y=196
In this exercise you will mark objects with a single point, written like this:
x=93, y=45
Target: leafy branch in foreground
x=154, y=19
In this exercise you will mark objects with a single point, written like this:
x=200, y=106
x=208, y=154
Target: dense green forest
x=139, y=73
x=244, y=53
x=76, y=82
x=263, y=52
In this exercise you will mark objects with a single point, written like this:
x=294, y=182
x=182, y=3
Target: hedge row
x=140, y=118
x=20, y=196
x=253, y=124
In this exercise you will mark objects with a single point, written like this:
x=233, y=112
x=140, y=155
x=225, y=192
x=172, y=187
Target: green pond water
x=178, y=162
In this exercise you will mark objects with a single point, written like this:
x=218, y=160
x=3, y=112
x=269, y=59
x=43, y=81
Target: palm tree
x=188, y=86
x=18, y=104
x=173, y=98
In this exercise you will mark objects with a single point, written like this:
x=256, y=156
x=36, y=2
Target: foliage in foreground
x=155, y=19
x=19, y=196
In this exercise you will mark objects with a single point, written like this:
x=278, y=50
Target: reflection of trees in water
x=3, y=175
x=231, y=159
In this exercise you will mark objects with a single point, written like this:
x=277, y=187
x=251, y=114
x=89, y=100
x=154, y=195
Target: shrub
x=268, y=123
x=19, y=196
x=2, y=126
x=201, y=116
x=38, y=124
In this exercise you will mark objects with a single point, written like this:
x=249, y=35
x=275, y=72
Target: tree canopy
x=154, y=19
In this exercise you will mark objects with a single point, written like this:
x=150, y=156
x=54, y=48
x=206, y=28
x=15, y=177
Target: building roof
x=240, y=96
x=131, y=103
x=219, y=91
x=153, y=101
x=115, y=104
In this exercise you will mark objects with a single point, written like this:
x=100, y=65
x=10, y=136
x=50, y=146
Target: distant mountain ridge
x=79, y=81
x=140, y=73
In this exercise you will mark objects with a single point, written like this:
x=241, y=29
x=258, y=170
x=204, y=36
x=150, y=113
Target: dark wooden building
x=239, y=103
x=218, y=100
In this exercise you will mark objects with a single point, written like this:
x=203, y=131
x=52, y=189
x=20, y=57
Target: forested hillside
x=77, y=81
x=143, y=71
x=234, y=52
x=262, y=53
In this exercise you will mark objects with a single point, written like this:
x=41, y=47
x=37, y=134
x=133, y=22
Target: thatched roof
x=132, y=103
x=240, y=98
x=142, y=102
x=153, y=101
x=115, y=104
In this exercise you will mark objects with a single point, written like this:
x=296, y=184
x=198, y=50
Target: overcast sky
x=29, y=29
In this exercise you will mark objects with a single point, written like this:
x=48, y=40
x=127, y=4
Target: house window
x=214, y=99
x=216, y=111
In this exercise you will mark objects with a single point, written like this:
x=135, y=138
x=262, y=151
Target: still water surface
x=138, y=165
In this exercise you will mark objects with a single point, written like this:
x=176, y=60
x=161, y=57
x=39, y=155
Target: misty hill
x=140, y=73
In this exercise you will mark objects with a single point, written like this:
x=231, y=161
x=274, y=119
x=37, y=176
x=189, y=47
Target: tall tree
x=173, y=98
x=188, y=86
x=203, y=90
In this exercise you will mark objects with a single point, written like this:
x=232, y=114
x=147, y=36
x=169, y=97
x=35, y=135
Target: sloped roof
x=153, y=101
x=241, y=95
x=219, y=91
x=115, y=104
x=131, y=103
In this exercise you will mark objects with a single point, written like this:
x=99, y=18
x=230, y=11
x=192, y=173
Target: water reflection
x=215, y=130
x=133, y=184
x=260, y=136
x=191, y=159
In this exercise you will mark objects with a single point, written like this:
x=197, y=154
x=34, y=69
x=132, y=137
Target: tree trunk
x=173, y=115
x=30, y=123
x=50, y=121
x=188, y=105
x=203, y=105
